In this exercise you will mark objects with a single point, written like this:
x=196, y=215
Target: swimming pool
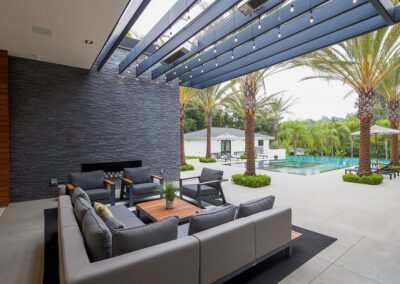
x=303, y=165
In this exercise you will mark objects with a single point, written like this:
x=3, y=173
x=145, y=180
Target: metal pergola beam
x=213, y=12
x=174, y=14
x=355, y=30
x=385, y=8
x=233, y=23
x=330, y=17
x=268, y=23
x=126, y=21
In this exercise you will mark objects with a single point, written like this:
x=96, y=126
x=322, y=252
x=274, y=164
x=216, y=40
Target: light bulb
x=186, y=67
x=236, y=39
x=291, y=8
x=312, y=19
x=215, y=49
x=232, y=56
x=254, y=44
x=354, y=1
x=199, y=59
x=202, y=69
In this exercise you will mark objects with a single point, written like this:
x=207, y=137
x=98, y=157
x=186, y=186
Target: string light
x=202, y=69
x=259, y=23
x=215, y=49
x=232, y=55
x=199, y=59
x=311, y=18
x=186, y=67
x=190, y=75
x=236, y=39
x=254, y=44
x=279, y=32
x=354, y=1
x=292, y=7
x=216, y=62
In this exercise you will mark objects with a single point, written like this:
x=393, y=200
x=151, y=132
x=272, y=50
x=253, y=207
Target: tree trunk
x=365, y=114
x=209, y=126
x=276, y=130
x=250, y=111
x=182, y=135
x=394, y=123
x=352, y=147
x=386, y=148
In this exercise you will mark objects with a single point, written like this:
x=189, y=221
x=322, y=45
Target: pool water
x=304, y=165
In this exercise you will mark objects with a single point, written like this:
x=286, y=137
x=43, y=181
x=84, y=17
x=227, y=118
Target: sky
x=316, y=98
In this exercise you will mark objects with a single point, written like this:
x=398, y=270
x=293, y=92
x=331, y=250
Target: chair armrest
x=127, y=180
x=109, y=182
x=189, y=178
x=157, y=177
x=70, y=186
x=212, y=181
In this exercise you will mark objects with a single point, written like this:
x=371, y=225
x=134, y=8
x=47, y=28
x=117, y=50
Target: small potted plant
x=168, y=190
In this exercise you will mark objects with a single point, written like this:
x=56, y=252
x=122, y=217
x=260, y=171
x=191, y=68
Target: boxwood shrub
x=208, y=160
x=251, y=181
x=187, y=167
x=371, y=179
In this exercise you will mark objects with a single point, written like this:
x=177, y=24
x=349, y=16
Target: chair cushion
x=99, y=194
x=125, y=216
x=255, y=206
x=102, y=209
x=191, y=190
x=211, y=218
x=209, y=175
x=138, y=175
x=97, y=236
x=125, y=241
x=79, y=192
x=145, y=188
x=87, y=180
x=81, y=207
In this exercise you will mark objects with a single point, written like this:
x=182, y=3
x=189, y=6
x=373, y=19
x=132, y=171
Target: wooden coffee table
x=156, y=211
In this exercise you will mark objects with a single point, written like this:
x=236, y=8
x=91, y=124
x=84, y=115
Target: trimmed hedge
x=244, y=157
x=208, y=160
x=251, y=181
x=371, y=179
x=187, y=167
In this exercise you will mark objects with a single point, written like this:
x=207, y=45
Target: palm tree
x=390, y=90
x=277, y=108
x=186, y=94
x=209, y=100
x=353, y=125
x=250, y=87
x=294, y=130
x=361, y=63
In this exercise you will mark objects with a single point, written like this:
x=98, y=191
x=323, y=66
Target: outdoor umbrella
x=377, y=130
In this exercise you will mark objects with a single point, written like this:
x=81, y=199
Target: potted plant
x=168, y=190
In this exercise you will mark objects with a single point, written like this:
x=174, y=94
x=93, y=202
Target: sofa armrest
x=139, y=266
x=186, y=178
x=157, y=177
x=127, y=180
x=212, y=181
x=109, y=182
x=70, y=186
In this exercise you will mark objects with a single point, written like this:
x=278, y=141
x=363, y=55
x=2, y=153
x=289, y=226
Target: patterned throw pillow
x=112, y=223
x=102, y=209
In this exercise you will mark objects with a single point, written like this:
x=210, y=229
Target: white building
x=228, y=140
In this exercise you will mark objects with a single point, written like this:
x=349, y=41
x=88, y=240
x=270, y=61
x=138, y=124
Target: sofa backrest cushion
x=209, y=219
x=112, y=223
x=87, y=180
x=210, y=175
x=98, y=238
x=81, y=207
x=79, y=192
x=255, y=206
x=138, y=175
x=125, y=241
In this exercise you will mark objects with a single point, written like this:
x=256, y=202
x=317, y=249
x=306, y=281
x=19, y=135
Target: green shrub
x=244, y=156
x=275, y=145
x=208, y=160
x=187, y=167
x=251, y=181
x=340, y=153
x=371, y=179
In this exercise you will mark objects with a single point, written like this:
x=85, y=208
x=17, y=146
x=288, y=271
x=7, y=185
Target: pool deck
x=365, y=219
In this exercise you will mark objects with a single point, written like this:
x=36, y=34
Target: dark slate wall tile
x=61, y=117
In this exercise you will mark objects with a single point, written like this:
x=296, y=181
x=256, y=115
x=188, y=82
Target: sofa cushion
x=102, y=209
x=87, y=180
x=145, y=188
x=210, y=175
x=255, y=206
x=125, y=216
x=112, y=223
x=191, y=190
x=209, y=219
x=138, y=175
x=97, y=236
x=79, y=192
x=99, y=194
x=125, y=241
x=81, y=206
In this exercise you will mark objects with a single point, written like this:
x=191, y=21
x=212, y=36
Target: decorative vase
x=170, y=204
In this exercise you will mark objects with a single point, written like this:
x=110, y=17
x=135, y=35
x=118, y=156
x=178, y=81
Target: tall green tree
x=185, y=95
x=210, y=100
x=362, y=63
x=293, y=131
x=390, y=90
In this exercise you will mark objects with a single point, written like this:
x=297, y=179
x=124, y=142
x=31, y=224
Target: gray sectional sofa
x=212, y=255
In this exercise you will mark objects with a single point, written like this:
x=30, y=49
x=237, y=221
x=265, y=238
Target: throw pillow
x=102, y=209
x=125, y=241
x=255, y=206
x=79, y=192
x=203, y=221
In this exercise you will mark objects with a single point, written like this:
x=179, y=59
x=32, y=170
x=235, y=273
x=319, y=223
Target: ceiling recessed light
x=89, y=42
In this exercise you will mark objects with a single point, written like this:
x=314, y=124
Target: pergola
x=231, y=38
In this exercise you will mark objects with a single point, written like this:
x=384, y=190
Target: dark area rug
x=277, y=267
x=271, y=270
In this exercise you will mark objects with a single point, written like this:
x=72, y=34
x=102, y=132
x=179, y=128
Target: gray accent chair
x=94, y=184
x=209, y=187
x=139, y=183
